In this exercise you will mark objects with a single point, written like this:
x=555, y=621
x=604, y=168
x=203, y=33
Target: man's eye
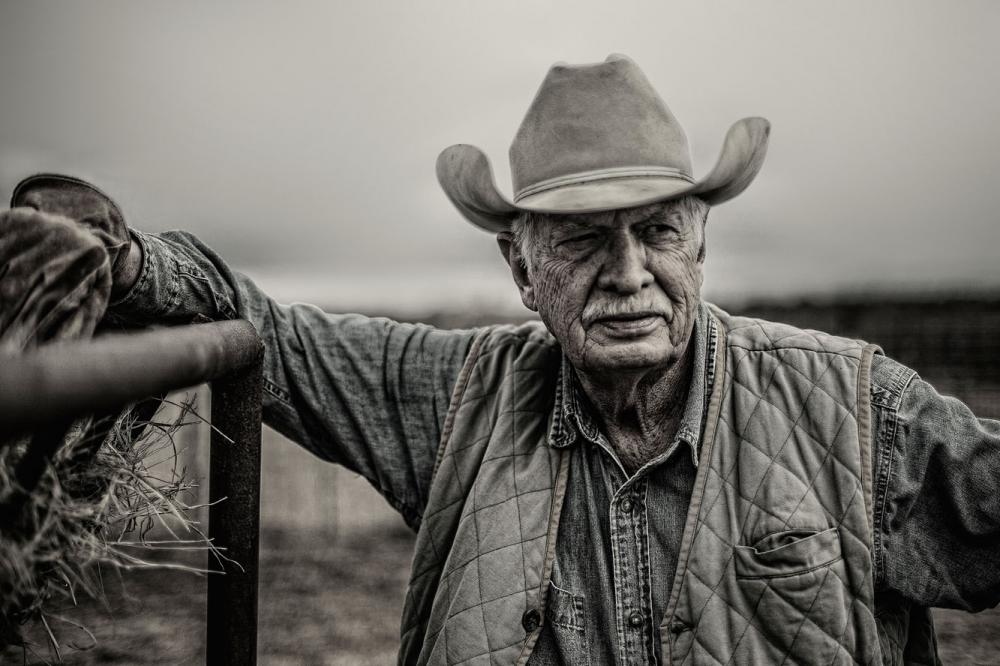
x=660, y=230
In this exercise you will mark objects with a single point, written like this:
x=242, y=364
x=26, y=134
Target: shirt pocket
x=567, y=619
x=788, y=553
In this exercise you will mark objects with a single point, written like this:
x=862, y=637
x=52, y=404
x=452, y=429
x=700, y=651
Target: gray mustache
x=603, y=310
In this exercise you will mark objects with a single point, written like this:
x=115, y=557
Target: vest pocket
x=788, y=553
x=791, y=585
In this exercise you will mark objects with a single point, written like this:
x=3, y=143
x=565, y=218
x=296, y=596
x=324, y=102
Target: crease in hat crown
x=596, y=137
x=613, y=121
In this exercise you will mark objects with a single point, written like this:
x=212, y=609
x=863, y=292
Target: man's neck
x=640, y=412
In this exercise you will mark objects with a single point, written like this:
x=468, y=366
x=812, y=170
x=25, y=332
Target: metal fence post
x=234, y=522
x=43, y=389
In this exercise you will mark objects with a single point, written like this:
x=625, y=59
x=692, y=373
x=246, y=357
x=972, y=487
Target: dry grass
x=90, y=513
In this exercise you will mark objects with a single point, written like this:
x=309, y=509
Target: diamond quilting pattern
x=481, y=549
x=785, y=457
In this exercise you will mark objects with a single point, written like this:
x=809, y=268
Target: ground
x=315, y=608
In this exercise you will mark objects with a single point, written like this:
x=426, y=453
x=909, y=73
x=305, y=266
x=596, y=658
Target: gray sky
x=298, y=139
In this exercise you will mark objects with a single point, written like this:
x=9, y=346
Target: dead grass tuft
x=95, y=506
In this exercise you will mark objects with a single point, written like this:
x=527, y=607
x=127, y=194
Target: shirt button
x=530, y=620
x=635, y=619
x=626, y=505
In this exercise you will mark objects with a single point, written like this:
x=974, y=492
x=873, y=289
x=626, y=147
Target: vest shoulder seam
x=844, y=353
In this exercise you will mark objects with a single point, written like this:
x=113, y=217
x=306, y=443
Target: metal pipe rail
x=50, y=386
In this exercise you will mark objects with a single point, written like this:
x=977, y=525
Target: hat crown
x=589, y=119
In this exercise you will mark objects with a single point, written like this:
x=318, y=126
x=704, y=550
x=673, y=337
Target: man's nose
x=625, y=271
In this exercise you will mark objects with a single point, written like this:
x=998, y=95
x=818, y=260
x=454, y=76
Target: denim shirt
x=620, y=535
x=372, y=395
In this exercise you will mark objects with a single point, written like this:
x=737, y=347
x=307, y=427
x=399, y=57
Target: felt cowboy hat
x=597, y=137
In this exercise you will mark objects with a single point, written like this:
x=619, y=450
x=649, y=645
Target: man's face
x=618, y=289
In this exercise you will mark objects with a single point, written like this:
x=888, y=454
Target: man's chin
x=629, y=356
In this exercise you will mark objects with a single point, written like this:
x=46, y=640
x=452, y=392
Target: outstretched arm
x=937, y=483
x=370, y=394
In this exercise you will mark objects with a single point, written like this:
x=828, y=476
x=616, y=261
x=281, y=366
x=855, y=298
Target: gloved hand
x=55, y=279
x=90, y=208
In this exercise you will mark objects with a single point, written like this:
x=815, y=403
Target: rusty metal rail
x=44, y=389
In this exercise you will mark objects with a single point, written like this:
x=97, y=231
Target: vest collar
x=571, y=418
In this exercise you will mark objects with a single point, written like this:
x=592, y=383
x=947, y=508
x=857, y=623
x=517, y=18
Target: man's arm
x=370, y=394
x=937, y=494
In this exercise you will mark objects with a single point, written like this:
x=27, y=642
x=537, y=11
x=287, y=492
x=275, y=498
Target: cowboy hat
x=597, y=137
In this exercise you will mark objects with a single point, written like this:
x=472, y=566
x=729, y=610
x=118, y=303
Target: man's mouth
x=630, y=324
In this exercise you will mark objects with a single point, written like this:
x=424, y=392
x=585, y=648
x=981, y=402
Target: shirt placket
x=630, y=561
x=629, y=530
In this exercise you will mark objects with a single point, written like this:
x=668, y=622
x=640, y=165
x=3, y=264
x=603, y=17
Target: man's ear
x=518, y=268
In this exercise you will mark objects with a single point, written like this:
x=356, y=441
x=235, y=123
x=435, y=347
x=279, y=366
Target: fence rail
x=44, y=389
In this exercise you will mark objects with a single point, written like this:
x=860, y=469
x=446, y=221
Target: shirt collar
x=571, y=419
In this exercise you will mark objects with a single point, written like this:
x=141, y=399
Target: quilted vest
x=775, y=560
x=775, y=564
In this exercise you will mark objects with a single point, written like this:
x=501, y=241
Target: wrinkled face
x=618, y=289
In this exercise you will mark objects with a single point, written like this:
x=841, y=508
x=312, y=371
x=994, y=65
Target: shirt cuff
x=150, y=295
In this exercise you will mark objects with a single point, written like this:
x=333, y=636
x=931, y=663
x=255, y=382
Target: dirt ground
x=330, y=601
x=337, y=604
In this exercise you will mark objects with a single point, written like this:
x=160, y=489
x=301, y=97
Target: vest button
x=635, y=619
x=530, y=620
x=626, y=505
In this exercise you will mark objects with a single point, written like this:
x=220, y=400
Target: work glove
x=55, y=279
x=90, y=208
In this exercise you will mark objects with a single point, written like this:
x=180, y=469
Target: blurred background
x=298, y=139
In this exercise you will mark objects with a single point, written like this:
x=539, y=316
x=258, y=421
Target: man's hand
x=91, y=209
x=54, y=279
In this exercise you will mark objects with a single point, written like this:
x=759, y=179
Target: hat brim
x=466, y=177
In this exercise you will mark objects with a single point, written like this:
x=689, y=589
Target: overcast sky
x=298, y=139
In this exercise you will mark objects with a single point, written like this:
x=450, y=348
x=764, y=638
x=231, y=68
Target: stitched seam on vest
x=763, y=452
x=555, y=512
x=794, y=348
x=760, y=398
x=835, y=639
x=456, y=401
x=479, y=570
x=806, y=377
x=489, y=651
x=812, y=439
x=517, y=501
x=798, y=632
x=701, y=478
x=822, y=390
x=791, y=432
x=821, y=340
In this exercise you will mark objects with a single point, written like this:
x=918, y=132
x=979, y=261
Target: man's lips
x=630, y=324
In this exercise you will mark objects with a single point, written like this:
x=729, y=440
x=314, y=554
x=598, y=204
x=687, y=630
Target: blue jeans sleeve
x=937, y=508
x=368, y=393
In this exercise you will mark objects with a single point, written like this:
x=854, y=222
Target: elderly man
x=641, y=477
